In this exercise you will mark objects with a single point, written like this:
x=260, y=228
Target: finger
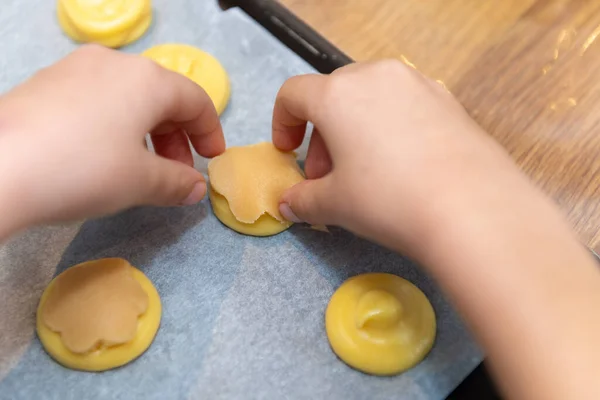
x=183, y=102
x=294, y=106
x=169, y=183
x=354, y=66
x=174, y=146
x=318, y=161
x=310, y=201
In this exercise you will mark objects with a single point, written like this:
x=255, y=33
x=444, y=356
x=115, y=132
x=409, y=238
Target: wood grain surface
x=527, y=70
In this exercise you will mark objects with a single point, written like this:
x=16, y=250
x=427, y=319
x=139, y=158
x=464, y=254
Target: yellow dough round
x=111, y=23
x=380, y=324
x=264, y=226
x=246, y=183
x=102, y=356
x=196, y=65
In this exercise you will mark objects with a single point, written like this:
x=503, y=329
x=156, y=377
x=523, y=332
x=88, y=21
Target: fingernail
x=286, y=211
x=195, y=195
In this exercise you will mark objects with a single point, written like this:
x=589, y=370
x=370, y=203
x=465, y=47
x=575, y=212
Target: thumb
x=310, y=201
x=171, y=183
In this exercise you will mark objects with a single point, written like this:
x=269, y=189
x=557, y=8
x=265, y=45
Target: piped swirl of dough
x=95, y=304
x=380, y=323
x=113, y=23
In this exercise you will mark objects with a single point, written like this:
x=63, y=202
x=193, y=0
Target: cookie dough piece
x=380, y=324
x=246, y=183
x=112, y=23
x=98, y=315
x=196, y=65
x=264, y=226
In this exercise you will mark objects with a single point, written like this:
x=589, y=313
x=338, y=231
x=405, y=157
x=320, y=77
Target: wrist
x=476, y=196
x=495, y=214
x=512, y=266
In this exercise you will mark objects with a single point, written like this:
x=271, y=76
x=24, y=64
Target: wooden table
x=527, y=70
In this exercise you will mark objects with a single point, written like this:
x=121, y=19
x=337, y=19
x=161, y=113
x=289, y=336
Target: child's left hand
x=72, y=139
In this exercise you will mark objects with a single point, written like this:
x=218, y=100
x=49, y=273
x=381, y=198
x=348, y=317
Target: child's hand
x=393, y=151
x=72, y=138
x=398, y=160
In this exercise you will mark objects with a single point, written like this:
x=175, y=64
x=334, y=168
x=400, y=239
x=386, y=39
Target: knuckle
x=163, y=190
x=147, y=77
x=147, y=71
x=156, y=189
x=348, y=200
x=392, y=67
x=148, y=67
x=335, y=89
x=335, y=86
x=92, y=50
x=94, y=59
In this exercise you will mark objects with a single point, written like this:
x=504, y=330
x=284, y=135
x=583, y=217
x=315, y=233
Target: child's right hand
x=394, y=154
x=396, y=159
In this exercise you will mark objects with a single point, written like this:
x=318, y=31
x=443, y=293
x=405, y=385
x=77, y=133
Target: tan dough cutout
x=95, y=303
x=253, y=178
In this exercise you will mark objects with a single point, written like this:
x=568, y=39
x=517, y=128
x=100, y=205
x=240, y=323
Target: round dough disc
x=112, y=23
x=246, y=183
x=380, y=324
x=196, y=65
x=104, y=358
